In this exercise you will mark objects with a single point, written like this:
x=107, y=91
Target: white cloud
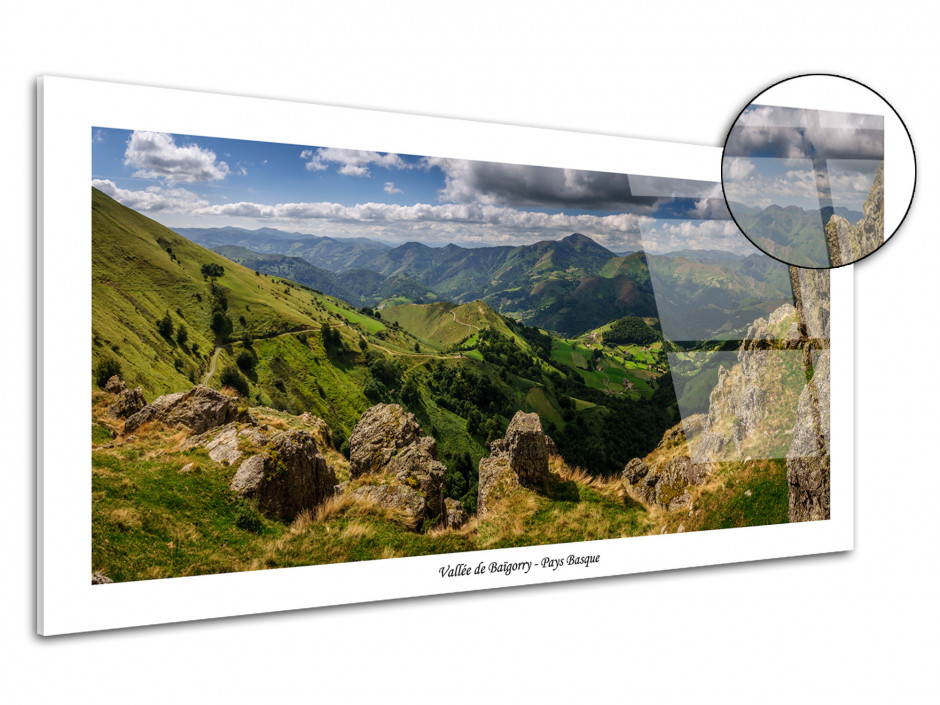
x=156, y=155
x=390, y=188
x=98, y=135
x=462, y=223
x=668, y=236
x=152, y=199
x=736, y=168
x=352, y=162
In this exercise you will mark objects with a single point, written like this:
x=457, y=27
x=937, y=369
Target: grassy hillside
x=446, y=323
x=142, y=271
x=162, y=512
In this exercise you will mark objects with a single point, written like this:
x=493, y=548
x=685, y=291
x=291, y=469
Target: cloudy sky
x=191, y=181
x=791, y=156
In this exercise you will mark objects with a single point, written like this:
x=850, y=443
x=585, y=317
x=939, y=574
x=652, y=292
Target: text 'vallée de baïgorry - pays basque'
x=507, y=568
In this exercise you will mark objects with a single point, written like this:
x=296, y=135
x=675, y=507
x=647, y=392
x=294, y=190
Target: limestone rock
x=666, y=485
x=811, y=292
x=320, y=427
x=398, y=498
x=199, y=409
x=808, y=462
x=388, y=441
x=225, y=444
x=527, y=449
x=99, y=578
x=455, y=515
x=847, y=242
x=128, y=403
x=382, y=431
x=519, y=458
x=115, y=385
x=635, y=471
x=496, y=480
x=417, y=465
x=288, y=477
x=550, y=446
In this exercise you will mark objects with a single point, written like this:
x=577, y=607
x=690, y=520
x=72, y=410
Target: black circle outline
x=805, y=75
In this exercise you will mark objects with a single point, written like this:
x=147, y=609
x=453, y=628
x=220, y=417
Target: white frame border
x=67, y=602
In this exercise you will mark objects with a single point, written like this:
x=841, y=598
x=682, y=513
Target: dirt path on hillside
x=215, y=358
x=457, y=320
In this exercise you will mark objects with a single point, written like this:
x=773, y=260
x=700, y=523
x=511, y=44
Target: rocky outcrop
x=288, y=477
x=318, y=427
x=397, y=498
x=634, y=471
x=667, y=484
x=496, y=480
x=808, y=461
x=227, y=444
x=752, y=408
x=115, y=385
x=128, y=403
x=199, y=409
x=382, y=431
x=848, y=243
x=455, y=515
x=811, y=294
x=99, y=578
x=389, y=446
x=519, y=458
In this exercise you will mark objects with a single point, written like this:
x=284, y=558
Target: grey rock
x=811, y=292
x=382, y=431
x=635, y=471
x=667, y=485
x=455, y=515
x=115, y=385
x=550, y=446
x=417, y=465
x=225, y=443
x=808, y=462
x=401, y=498
x=389, y=440
x=847, y=242
x=528, y=452
x=128, y=403
x=99, y=578
x=496, y=480
x=289, y=477
x=319, y=427
x=519, y=458
x=199, y=409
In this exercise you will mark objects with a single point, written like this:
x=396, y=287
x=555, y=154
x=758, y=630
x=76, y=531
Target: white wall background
x=807, y=630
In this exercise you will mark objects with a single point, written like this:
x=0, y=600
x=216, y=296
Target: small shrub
x=247, y=517
x=234, y=379
x=165, y=326
x=245, y=361
x=105, y=369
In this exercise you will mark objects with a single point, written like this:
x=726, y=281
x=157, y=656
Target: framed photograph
x=294, y=355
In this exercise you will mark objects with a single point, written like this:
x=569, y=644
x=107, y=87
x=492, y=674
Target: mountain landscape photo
x=306, y=355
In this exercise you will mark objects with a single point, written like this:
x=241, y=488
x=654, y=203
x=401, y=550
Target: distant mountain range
x=569, y=285
x=790, y=232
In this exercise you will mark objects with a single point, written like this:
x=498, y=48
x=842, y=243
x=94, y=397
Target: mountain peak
x=579, y=240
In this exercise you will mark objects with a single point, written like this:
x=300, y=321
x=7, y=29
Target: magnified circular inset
x=804, y=170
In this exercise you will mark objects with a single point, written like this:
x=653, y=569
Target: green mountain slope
x=294, y=349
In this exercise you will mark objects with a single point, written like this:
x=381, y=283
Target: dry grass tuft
x=357, y=531
x=126, y=517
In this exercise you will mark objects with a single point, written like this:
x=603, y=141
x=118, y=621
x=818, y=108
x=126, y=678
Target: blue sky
x=198, y=181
